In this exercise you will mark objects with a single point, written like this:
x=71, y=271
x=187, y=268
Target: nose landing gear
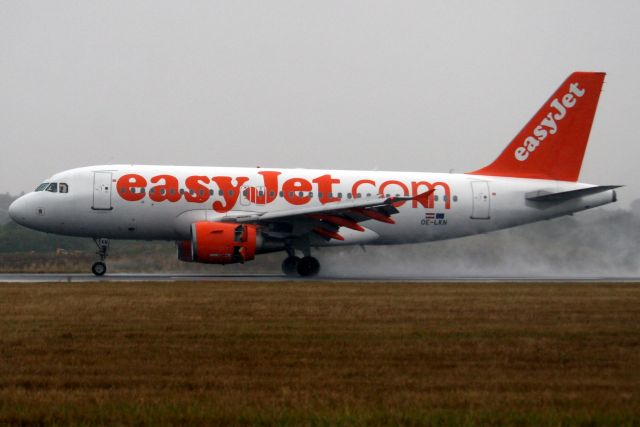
x=99, y=267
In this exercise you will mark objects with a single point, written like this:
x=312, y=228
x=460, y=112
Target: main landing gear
x=306, y=266
x=99, y=267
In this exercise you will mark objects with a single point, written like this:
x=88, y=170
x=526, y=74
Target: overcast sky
x=387, y=85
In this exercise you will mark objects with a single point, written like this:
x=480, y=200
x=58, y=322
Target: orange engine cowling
x=221, y=243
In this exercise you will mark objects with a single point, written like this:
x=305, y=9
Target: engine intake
x=219, y=243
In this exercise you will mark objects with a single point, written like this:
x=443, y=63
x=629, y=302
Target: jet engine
x=219, y=243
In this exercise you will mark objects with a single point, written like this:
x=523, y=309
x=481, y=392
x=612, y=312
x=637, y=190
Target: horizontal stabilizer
x=546, y=196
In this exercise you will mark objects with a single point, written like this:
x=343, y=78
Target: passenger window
x=455, y=198
x=53, y=187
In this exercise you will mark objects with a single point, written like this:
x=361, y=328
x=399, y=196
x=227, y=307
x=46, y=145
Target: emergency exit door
x=481, y=200
x=102, y=191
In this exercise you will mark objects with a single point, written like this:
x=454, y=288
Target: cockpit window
x=42, y=186
x=53, y=187
x=64, y=188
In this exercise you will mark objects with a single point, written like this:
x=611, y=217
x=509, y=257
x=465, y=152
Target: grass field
x=303, y=353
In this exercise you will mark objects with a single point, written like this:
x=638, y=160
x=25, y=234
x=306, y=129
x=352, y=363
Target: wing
x=326, y=220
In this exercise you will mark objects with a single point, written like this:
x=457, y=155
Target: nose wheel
x=99, y=267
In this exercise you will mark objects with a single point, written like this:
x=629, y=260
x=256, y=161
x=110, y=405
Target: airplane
x=223, y=215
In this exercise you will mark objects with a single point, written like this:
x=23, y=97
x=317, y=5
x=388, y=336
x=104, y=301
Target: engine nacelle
x=219, y=243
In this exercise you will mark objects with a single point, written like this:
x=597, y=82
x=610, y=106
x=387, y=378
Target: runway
x=181, y=277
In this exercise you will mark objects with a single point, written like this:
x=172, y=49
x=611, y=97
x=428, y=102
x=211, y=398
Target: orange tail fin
x=552, y=144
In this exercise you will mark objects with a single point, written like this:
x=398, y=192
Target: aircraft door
x=102, y=191
x=481, y=200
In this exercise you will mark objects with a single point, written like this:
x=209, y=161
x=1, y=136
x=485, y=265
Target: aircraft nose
x=18, y=210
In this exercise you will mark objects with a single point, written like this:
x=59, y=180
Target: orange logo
x=296, y=191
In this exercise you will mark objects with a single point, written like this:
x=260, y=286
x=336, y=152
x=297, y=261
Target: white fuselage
x=96, y=204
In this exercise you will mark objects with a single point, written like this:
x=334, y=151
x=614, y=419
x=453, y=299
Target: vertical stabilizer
x=552, y=144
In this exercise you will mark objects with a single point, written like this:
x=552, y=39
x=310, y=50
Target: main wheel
x=308, y=266
x=290, y=265
x=99, y=268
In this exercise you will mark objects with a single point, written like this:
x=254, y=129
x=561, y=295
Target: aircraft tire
x=290, y=265
x=99, y=268
x=308, y=266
